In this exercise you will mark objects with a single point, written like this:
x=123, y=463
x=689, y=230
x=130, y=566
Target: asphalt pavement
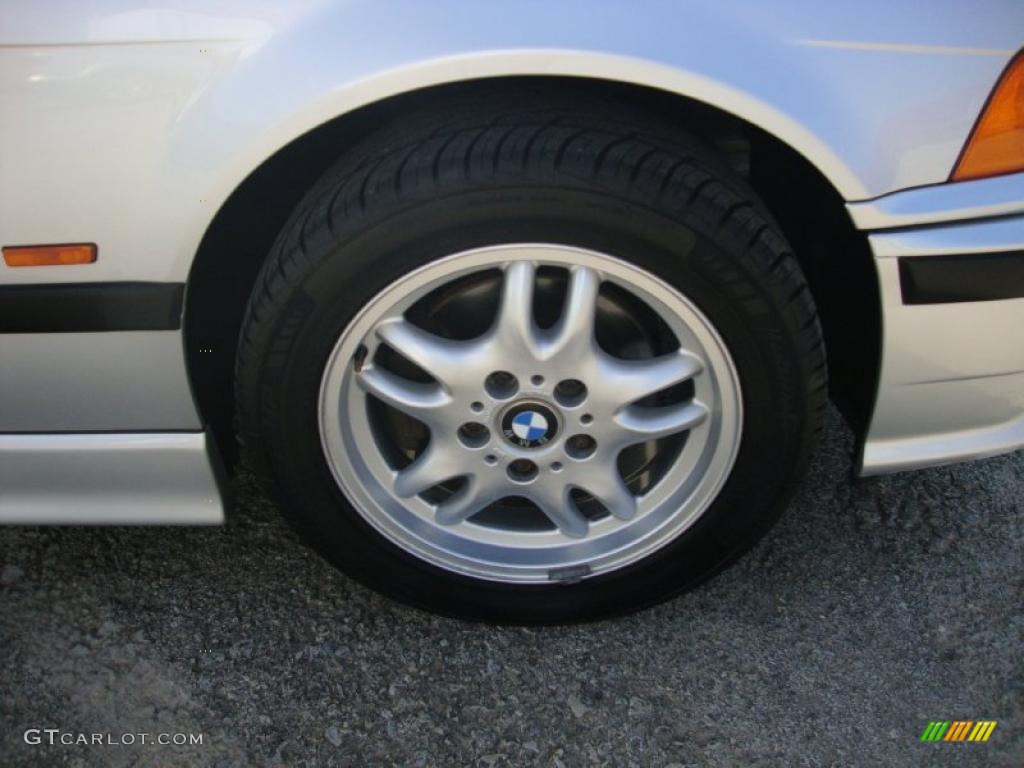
x=873, y=608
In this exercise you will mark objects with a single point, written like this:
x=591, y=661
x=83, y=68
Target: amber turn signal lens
x=997, y=143
x=49, y=255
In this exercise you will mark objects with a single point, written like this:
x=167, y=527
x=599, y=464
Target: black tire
x=579, y=175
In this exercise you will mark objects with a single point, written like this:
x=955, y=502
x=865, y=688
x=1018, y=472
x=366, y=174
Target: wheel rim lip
x=531, y=557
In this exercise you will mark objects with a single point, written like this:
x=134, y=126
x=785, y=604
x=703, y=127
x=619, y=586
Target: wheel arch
x=807, y=203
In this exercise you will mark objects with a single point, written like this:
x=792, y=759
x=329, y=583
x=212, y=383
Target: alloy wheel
x=530, y=412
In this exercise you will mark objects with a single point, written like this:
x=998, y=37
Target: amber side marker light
x=49, y=255
x=996, y=144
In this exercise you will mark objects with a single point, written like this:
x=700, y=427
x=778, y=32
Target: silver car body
x=129, y=125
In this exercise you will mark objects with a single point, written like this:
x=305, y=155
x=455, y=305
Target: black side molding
x=963, y=277
x=82, y=307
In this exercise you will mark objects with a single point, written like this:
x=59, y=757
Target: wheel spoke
x=443, y=359
x=417, y=399
x=474, y=495
x=433, y=466
x=514, y=327
x=554, y=501
x=641, y=423
x=632, y=380
x=575, y=328
x=608, y=487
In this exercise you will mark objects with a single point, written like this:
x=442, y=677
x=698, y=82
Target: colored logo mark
x=529, y=425
x=958, y=730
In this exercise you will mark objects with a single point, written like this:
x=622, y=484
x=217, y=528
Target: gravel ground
x=872, y=608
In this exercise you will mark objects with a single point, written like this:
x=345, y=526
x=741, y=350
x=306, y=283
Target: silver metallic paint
x=156, y=478
x=981, y=198
x=112, y=381
x=984, y=236
x=165, y=108
x=952, y=379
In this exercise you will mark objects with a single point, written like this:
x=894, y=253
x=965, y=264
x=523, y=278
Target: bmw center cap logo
x=529, y=425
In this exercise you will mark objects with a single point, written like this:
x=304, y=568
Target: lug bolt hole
x=490, y=459
x=472, y=434
x=580, y=446
x=556, y=466
x=586, y=419
x=522, y=471
x=570, y=392
x=537, y=380
x=476, y=407
x=501, y=385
